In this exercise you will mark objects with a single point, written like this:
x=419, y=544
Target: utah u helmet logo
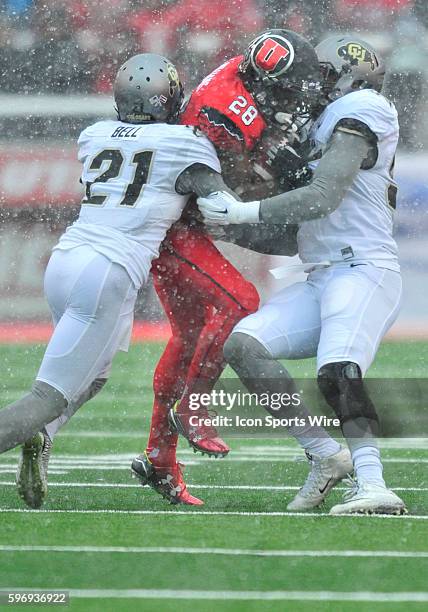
x=270, y=55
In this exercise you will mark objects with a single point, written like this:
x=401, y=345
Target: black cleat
x=202, y=438
x=167, y=481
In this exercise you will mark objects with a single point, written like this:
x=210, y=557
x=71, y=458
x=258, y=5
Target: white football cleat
x=324, y=475
x=368, y=498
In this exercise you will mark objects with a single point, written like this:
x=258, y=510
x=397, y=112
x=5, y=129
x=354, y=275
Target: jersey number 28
x=141, y=161
x=247, y=112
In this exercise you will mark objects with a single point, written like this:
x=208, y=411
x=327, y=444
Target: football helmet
x=348, y=64
x=147, y=89
x=280, y=69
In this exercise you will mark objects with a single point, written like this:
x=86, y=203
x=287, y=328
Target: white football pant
x=340, y=313
x=92, y=304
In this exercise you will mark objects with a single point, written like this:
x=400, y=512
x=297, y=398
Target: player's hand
x=295, y=129
x=287, y=166
x=288, y=127
x=221, y=208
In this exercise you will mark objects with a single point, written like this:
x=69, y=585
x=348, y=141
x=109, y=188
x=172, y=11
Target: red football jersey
x=224, y=110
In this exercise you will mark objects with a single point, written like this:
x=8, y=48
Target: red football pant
x=204, y=297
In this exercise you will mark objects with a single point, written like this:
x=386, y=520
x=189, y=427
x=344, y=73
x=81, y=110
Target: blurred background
x=58, y=59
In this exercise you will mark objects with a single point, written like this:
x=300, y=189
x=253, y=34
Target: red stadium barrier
x=39, y=176
x=39, y=333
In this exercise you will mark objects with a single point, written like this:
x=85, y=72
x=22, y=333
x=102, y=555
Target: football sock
x=322, y=446
x=162, y=443
x=21, y=420
x=51, y=428
x=208, y=362
x=168, y=384
x=264, y=375
x=367, y=464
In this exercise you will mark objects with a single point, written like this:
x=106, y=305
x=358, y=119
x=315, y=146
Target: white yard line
x=94, y=461
x=64, y=469
x=52, y=472
x=369, y=596
x=258, y=452
x=217, y=551
x=122, y=485
x=390, y=443
x=172, y=512
x=102, y=434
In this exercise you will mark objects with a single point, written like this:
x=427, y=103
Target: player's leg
x=94, y=388
x=158, y=466
x=122, y=343
x=187, y=319
x=32, y=472
x=227, y=297
x=288, y=327
x=97, y=299
x=208, y=361
x=31, y=475
x=358, y=306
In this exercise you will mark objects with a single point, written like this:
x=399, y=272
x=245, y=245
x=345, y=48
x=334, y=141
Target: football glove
x=296, y=129
x=221, y=208
x=288, y=167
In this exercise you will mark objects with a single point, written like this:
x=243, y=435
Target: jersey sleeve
x=366, y=108
x=85, y=139
x=83, y=145
x=195, y=148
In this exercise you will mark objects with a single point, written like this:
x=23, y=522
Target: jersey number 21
x=142, y=161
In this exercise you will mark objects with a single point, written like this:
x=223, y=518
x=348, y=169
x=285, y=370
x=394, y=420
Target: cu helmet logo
x=174, y=80
x=356, y=53
x=271, y=55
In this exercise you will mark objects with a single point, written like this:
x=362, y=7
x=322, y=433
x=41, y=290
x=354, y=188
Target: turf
x=143, y=544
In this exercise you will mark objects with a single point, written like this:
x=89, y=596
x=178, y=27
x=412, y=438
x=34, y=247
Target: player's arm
x=267, y=239
x=332, y=178
x=201, y=180
x=273, y=240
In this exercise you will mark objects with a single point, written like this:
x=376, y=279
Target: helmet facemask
x=297, y=100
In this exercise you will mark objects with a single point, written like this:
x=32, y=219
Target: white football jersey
x=129, y=175
x=360, y=229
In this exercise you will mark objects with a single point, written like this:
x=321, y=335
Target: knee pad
x=232, y=349
x=342, y=386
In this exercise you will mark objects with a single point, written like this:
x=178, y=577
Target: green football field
x=117, y=546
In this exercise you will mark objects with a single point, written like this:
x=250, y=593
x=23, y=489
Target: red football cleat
x=167, y=481
x=201, y=437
